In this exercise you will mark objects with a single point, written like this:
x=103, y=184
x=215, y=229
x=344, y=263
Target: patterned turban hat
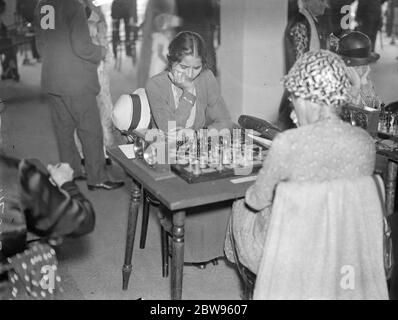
x=320, y=77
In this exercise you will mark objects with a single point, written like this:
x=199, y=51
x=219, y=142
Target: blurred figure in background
x=2, y=108
x=26, y=9
x=201, y=16
x=303, y=33
x=165, y=25
x=121, y=10
x=153, y=9
x=394, y=14
x=8, y=55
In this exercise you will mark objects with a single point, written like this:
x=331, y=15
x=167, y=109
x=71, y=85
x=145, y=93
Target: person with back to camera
x=69, y=78
x=322, y=148
x=188, y=94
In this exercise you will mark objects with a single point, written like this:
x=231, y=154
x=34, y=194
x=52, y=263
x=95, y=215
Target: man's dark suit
x=69, y=76
x=369, y=18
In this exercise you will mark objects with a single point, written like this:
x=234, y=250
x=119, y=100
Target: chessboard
x=225, y=159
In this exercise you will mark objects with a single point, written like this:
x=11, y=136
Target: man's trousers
x=80, y=113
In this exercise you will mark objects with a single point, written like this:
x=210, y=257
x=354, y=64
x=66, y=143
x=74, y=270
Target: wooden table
x=177, y=195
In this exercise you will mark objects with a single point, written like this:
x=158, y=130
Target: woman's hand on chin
x=180, y=80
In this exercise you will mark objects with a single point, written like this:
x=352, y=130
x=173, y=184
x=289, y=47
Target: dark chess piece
x=214, y=262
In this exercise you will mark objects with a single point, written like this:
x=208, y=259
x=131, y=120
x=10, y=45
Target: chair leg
x=247, y=291
x=145, y=218
x=248, y=278
x=165, y=253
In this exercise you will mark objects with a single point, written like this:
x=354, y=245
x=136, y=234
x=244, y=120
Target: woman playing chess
x=355, y=49
x=320, y=149
x=187, y=95
x=187, y=92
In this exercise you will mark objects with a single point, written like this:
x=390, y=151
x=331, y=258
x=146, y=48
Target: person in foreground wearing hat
x=321, y=148
x=46, y=204
x=355, y=49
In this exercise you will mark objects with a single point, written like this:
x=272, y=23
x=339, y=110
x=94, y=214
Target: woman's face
x=190, y=66
x=316, y=7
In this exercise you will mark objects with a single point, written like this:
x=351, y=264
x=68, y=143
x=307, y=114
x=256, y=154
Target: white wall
x=251, y=57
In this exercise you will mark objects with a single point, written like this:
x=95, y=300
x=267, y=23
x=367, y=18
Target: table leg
x=130, y=235
x=177, y=262
x=390, y=186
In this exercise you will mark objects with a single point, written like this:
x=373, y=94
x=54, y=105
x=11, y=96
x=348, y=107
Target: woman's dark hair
x=187, y=43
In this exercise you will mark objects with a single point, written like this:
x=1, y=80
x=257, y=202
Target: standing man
x=303, y=33
x=337, y=16
x=69, y=77
x=369, y=19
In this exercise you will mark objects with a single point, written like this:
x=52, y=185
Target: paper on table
x=244, y=179
x=128, y=150
x=263, y=141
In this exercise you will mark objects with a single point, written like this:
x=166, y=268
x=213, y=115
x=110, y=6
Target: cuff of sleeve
x=188, y=97
x=68, y=186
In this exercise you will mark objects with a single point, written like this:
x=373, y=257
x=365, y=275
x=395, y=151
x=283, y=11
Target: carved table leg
x=177, y=262
x=165, y=229
x=390, y=186
x=131, y=226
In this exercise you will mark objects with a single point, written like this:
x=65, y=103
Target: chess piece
x=196, y=168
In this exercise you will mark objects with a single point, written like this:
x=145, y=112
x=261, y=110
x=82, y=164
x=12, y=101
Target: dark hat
x=356, y=49
x=392, y=107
